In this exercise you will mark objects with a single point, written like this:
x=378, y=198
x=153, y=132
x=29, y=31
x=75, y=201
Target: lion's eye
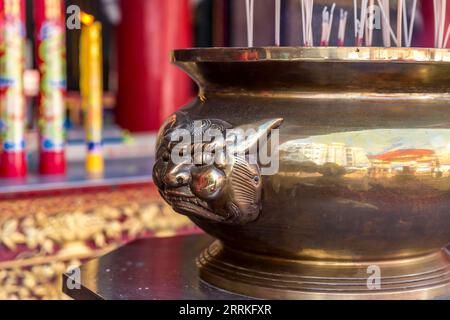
x=166, y=156
x=207, y=158
x=220, y=160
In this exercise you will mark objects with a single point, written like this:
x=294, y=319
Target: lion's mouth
x=191, y=206
x=189, y=200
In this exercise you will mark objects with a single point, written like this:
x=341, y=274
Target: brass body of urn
x=359, y=207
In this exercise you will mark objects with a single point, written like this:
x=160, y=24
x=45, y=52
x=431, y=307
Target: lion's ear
x=171, y=122
x=165, y=127
x=253, y=134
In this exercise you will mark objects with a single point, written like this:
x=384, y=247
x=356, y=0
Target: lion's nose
x=177, y=175
x=208, y=182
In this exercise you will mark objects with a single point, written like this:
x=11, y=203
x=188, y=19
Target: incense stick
x=325, y=20
x=247, y=11
x=303, y=23
x=330, y=23
x=307, y=15
x=412, y=22
x=355, y=18
x=442, y=22
x=252, y=16
x=436, y=20
x=277, y=22
x=249, y=6
x=447, y=36
x=386, y=24
x=399, y=22
x=370, y=24
x=405, y=23
x=310, y=34
x=367, y=31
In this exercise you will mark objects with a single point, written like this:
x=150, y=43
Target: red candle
x=51, y=61
x=12, y=96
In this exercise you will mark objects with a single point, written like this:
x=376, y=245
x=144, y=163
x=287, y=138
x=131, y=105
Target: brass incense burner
x=359, y=207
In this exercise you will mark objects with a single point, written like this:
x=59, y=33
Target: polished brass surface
x=364, y=177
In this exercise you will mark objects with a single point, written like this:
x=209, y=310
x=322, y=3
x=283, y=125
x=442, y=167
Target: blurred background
x=141, y=88
x=48, y=224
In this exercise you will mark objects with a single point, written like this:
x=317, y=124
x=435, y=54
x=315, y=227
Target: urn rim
x=343, y=54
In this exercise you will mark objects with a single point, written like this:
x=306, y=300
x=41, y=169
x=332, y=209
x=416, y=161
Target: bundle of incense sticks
x=364, y=19
x=408, y=29
x=360, y=24
x=307, y=15
x=387, y=29
x=404, y=30
x=441, y=36
x=327, y=23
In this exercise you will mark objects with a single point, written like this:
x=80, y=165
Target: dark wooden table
x=149, y=269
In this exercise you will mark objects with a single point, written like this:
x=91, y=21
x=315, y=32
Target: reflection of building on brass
x=400, y=161
x=320, y=154
x=444, y=161
x=414, y=161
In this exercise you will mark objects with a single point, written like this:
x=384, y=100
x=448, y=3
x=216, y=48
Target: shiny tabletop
x=148, y=269
x=118, y=172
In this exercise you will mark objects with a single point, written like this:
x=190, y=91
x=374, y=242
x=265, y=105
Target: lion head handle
x=227, y=191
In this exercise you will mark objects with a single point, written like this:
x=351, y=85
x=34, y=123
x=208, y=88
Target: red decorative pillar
x=12, y=95
x=51, y=61
x=150, y=88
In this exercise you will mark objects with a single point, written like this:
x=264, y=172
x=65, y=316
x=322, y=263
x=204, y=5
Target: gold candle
x=91, y=85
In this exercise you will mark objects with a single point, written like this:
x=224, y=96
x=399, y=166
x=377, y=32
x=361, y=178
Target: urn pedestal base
x=424, y=277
